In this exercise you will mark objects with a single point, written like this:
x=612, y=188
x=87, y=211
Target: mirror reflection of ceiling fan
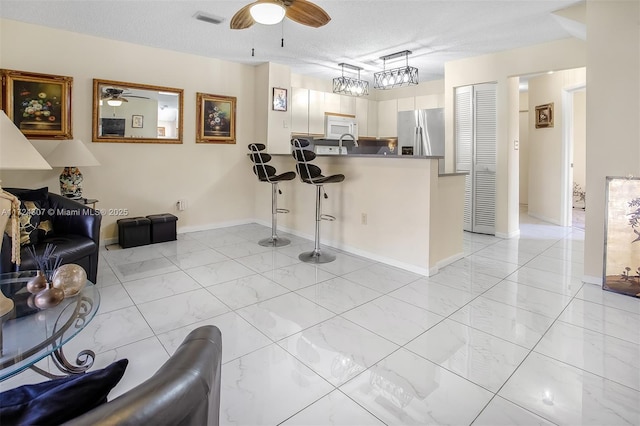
x=271, y=12
x=115, y=96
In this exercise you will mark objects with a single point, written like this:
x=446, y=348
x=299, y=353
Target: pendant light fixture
x=396, y=77
x=350, y=86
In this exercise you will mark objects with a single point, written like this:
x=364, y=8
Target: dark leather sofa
x=76, y=235
x=184, y=391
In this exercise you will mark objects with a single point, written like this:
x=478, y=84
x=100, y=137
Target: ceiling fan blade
x=306, y=13
x=242, y=19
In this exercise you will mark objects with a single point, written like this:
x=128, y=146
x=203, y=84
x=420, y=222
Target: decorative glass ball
x=71, y=278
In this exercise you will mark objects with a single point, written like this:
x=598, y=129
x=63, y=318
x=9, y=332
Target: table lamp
x=71, y=155
x=16, y=153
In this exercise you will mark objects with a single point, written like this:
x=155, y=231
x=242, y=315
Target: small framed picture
x=544, y=115
x=279, y=99
x=38, y=104
x=137, y=121
x=161, y=132
x=216, y=118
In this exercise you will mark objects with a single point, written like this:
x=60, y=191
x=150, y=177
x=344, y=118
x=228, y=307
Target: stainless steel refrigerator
x=421, y=132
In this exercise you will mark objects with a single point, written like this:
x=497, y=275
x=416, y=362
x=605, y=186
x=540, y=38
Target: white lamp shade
x=16, y=152
x=72, y=153
x=267, y=13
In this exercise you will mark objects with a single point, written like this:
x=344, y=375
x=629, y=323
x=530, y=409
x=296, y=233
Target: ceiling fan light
x=114, y=102
x=267, y=13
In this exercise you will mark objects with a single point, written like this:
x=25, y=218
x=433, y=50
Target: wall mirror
x=136, y=113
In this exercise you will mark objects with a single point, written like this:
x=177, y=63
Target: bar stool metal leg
x=317, y=256
x=274, y=240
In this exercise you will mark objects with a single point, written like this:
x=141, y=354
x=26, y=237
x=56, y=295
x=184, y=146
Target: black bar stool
x=267, y=173
x=311, y=174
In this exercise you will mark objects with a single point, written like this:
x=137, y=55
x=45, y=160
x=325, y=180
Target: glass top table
x=28, y=335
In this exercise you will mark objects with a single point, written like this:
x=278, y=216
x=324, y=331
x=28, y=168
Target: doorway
x=574, y=150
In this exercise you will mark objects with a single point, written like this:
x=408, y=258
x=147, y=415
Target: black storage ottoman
x=134, y=231
x=163, y=227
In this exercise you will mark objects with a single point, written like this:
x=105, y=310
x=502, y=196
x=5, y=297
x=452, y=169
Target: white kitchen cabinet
x=332, y=103
x=316, y=112
x=299, y=110
x=362, y=116
x=388, y=118
x=372, y=119
x=406, y=104
x=347, y=105
x=428, y=102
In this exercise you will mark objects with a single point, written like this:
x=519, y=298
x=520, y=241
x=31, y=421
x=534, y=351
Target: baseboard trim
x=547, y=219
x=445, y=262
x=587, y=279
x=508, y=235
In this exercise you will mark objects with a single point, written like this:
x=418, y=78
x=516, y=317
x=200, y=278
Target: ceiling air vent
x=212, y=19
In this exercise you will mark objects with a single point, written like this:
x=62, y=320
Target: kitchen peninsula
x=392, y=208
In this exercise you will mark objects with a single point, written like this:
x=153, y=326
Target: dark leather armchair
x=76, y=236
x=184, y=391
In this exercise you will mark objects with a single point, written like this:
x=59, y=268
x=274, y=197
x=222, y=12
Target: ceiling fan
x=113, y=95
x=270, y=12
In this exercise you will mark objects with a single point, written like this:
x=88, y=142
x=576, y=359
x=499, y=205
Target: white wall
x=546, y=184
x=144, y=178
x=613, y=112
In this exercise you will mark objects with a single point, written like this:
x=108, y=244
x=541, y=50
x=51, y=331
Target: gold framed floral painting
x=38, y=104
x=216, y=119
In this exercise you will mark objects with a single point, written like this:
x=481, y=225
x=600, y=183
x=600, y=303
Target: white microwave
x=337, y=125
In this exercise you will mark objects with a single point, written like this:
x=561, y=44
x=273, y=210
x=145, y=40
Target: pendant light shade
x=350, y=86
x=396, y=77
x=267, y=13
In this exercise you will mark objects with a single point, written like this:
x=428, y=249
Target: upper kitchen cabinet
x=332, y=103
x=348, y=105
x=407, y=104
x=316, y=112
x=372, y=119
x=362, y=116
x=388, y=118
x=299, y=110
x=430, y=101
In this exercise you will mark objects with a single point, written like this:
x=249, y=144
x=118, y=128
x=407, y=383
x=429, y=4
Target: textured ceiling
x=359, y=33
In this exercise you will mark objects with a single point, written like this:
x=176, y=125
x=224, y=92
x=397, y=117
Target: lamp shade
x=72, y=153
x=267, y=13
x=16, y=152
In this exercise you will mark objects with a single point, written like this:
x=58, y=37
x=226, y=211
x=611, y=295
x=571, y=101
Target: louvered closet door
x=475, y=139
x=484, y=169
x=464, y=146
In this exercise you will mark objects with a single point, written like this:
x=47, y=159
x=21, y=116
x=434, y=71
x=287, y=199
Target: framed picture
x=622, y=236
x=544, y=115
x=216, y=118
x=279, y=99
x=38, y=104
x=137, y=121
x=161, y=132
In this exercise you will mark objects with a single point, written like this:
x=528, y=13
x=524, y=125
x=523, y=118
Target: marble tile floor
x=509, y=335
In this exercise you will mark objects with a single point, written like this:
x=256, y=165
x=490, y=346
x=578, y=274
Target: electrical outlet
x=516, y=145
x=364, y=218
x=181, y=205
